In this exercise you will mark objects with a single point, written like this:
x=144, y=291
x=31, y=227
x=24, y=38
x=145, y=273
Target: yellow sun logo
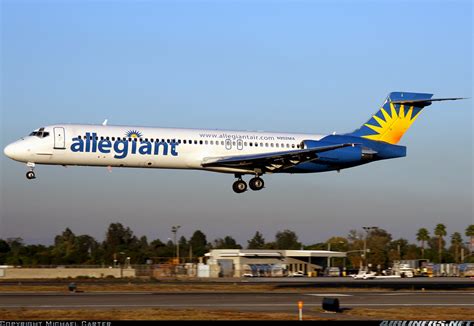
x=133, y=134
x=392, y=126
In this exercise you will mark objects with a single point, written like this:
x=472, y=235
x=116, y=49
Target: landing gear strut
x=30, y=174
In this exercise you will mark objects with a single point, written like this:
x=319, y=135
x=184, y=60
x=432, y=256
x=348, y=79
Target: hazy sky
x=302, y=66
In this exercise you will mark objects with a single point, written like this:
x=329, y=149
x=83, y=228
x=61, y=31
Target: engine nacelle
x=350, y=154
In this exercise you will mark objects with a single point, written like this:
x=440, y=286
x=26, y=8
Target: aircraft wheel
x=239, y=186
x=256, y=183
x=30, y=175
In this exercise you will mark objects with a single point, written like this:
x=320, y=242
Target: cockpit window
x=40, y=133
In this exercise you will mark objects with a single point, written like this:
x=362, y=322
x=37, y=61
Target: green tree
x=161, y=252
x=377, y=241
x=257, y=242
x=227, y=243
x=423, y=235
x=287, y=240
x=198, y=242
x=185, y=249
x=355, y=248
x=87, y=250
x=65, y=249
x=4, y=250
x=440, y=232
x=337, y=244
x=119, y=243
x=470, y=233
x=397, y=249
x=456, y=243
x=14, y=256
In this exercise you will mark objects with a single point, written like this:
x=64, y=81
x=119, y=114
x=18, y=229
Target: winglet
x=105, y=122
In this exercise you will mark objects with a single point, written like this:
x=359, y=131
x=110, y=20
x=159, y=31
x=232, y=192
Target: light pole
x=175, y=229
x=367, y=230
x=121, y=264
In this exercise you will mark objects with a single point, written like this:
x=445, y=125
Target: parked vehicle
x=363, y=275
x=296, y=274
x=333, y=271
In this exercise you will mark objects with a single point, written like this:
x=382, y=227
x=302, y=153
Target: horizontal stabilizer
x=426, y=102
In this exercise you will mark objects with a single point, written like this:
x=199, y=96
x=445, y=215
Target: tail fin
x=396, y=115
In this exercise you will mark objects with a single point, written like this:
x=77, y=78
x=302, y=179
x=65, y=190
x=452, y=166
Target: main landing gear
x=30, y=174
x=240, y=185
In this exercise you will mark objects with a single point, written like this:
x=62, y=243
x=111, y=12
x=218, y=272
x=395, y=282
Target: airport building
x=259, y=262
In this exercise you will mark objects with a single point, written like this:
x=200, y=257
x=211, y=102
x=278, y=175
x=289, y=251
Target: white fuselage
x=129, y=146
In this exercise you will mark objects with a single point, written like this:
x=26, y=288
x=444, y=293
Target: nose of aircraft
x=9, y=150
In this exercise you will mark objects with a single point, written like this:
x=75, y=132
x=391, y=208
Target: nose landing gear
x=30, y=174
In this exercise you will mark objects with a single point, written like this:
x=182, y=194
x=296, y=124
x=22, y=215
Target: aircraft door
x=59, y=138
x=240, y=144
x=228, y=144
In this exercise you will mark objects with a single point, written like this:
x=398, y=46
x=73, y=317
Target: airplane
x=236, y=152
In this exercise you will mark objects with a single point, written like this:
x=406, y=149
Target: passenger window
x=292, y=145
x=205, y=142
x=212, y=142
x=245, y=143
x=195, y=142
x=200, y=142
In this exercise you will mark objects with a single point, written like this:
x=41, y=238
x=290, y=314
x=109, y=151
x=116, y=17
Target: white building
x=261, y=262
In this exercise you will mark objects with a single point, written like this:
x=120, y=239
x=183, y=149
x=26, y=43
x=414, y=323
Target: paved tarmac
x=261, y=301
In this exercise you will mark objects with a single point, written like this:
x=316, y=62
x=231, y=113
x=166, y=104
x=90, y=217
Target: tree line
x=120, y=245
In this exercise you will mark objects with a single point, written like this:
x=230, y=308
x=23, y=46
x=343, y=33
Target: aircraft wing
x=270, y=162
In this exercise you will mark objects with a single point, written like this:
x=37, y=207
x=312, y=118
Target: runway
x=249, y=301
